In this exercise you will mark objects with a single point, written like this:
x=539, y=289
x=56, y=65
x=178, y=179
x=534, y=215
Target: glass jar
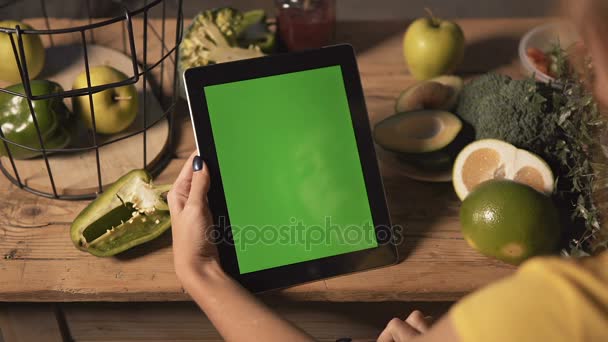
x=306, y=24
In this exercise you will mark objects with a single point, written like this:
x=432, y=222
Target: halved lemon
x=488, y=159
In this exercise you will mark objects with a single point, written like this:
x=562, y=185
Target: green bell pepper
x=130, y=212
x=17, y=125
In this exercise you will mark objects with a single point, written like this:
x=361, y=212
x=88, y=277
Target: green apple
x=115, y=108
x=32, y=46
x=432, y=47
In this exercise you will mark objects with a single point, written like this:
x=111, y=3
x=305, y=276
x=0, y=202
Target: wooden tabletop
x=39, y=263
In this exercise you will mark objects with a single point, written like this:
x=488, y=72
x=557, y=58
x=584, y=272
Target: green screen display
x=290, y=168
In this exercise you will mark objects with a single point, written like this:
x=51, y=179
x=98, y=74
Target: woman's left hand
x=191, y=219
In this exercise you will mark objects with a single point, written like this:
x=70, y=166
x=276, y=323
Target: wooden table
x=39, y=263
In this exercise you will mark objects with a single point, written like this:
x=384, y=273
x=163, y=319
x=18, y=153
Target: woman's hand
x=398, y=330
x=236, y=314
x=191, y=220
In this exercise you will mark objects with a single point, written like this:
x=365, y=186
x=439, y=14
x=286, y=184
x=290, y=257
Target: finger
x=178, y=195
x=199, y=187
x=397, y=331
x=417, y=321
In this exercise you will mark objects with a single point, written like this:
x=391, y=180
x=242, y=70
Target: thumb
x=200, y=183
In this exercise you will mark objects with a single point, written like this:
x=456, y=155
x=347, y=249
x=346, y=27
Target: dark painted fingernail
x=197, y=163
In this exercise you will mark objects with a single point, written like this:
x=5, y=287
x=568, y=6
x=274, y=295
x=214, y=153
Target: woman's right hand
x=191, y=219
x=398, y=330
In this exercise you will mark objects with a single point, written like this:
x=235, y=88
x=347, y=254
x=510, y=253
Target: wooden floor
x=185, y=322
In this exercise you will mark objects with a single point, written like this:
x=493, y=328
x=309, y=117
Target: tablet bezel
x=196, y=79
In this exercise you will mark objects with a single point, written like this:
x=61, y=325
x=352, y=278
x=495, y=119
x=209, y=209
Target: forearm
x=588, y=17
x=235, y=313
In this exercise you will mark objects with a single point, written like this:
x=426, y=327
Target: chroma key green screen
x=290, y=168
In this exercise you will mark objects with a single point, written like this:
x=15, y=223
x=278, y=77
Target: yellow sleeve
x=548, y=299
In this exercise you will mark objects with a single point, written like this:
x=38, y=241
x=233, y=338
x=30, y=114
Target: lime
x=509, y=221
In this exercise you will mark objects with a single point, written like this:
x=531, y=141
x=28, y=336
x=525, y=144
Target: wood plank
x=30, y=322
x=40, y=264
x=185, y=322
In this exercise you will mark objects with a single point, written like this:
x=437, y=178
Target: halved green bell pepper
x=18, y=126
x=130, y=212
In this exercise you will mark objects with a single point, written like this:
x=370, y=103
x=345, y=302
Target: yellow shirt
x=548, y=299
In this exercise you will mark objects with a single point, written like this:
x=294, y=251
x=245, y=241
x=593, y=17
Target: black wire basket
x=155, y=73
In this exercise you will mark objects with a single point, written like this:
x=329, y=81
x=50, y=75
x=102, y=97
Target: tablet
x=295, y=192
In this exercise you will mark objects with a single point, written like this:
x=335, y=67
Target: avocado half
x=426, y=139
x=437, y=93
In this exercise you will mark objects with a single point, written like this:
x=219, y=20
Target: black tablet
x=295, y=191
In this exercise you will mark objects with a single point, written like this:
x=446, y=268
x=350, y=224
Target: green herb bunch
x=583, y=168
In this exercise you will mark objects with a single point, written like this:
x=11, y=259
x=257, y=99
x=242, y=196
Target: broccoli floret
x=205, y=44
x=255, y=30
x=227, y=19
x=225, y=34
x=472, y=93
x=511, y=110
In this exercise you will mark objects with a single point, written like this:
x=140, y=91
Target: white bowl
x=543, y=37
